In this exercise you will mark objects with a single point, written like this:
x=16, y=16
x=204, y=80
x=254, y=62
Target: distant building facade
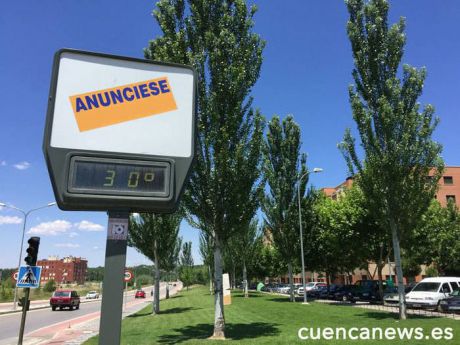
x=63, y=271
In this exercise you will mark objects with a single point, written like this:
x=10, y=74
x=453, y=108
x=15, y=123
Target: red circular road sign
x=128, y=276
x=15, y=275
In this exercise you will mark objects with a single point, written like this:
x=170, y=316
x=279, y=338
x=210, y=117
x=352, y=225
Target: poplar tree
x=396, y=134
x=186, y=260
x=216, y=38
x=283, y=167
x=155, y=236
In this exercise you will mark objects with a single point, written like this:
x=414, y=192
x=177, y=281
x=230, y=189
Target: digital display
x=119, y=177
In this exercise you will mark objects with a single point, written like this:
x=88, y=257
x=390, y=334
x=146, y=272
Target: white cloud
x=95, y=248
x=73, y=234
x=10, y=220
x=51, y=228
x=85, y=225
x=67, y=245
x=3, y=164
x=22, y=165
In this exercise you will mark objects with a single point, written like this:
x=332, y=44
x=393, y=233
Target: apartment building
x=63, y=271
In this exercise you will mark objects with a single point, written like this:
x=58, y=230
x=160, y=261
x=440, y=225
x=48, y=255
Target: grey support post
x=112, y=296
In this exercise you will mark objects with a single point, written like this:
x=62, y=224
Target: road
x=44, y=318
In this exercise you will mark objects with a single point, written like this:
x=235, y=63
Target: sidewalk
x=78, y=330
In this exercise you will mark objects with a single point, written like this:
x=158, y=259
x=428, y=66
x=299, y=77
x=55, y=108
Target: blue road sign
x=29, y=277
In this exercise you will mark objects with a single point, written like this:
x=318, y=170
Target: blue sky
x=306, y=71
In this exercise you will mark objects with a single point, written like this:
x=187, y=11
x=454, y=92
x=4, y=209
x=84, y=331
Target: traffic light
x=32, y=251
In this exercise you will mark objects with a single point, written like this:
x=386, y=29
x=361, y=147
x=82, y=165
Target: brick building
x=63, y=271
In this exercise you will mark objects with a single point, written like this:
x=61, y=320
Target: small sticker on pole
x=118, y=229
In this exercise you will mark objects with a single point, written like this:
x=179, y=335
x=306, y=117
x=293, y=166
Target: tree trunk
x=380, y=265
x=219, y=319
x=291, y=291
x=156, y=293
x=245, y=280
x=167, y=286
x=399, y=272
x=234, y=275
x=211, y=291
x=379, y=272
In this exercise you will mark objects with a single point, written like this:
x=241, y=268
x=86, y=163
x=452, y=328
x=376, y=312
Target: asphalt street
x=36, y=319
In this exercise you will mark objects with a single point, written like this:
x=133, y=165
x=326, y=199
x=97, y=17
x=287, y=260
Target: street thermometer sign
x=120, y=132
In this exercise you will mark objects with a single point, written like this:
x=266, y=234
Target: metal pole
x=126, y=294
x=15, y=301
x=115, y=260
x=24, y=313
x=305, y=301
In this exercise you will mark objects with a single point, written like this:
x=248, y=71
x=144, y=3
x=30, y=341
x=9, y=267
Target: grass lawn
x=262, y=319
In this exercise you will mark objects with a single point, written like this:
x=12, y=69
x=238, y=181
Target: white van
x=430, y=291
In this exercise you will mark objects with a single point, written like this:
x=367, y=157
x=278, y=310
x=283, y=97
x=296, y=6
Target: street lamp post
x=25, y=214
x=315, y=170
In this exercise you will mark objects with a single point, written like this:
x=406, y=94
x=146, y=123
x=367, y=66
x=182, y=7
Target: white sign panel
x=110, y=105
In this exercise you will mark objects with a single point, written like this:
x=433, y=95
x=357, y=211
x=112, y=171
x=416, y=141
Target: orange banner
x=123, y=103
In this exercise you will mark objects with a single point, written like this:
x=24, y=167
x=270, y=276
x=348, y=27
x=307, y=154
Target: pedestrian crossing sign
x=29, y=277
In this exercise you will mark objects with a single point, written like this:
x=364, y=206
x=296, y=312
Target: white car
x=92, y=295
x=430, y=291
x=309, y=287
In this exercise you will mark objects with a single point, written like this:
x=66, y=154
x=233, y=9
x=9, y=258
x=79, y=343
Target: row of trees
x=237, y=171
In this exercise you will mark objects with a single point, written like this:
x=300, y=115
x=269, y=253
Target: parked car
x=65, y=299
x=320, y=290
x=391, y=296
x=296, y=287
x=309, y=286
x=284, y=288
x=140, y=294
x=333, y=288
x=92, y=295
x=347, y=293
x=369, y=290
x=430, y=291
x=451, y=303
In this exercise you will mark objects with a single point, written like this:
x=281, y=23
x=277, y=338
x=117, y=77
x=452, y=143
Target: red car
x=65, y=299
x=140, y=294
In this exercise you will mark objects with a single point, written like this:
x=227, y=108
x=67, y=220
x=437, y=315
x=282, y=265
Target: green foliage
x=431, y=272
x=144, y=280
x=186, y=271
x=206, y=247
x=411, y=267
x=335, y=244
x=50, y=286
x=155, y=236
x=396, y=135
x=95, y=274
x=267, y=262
x=186, y=258
x=437, y=239
x=216, y=38
x=283, y=167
